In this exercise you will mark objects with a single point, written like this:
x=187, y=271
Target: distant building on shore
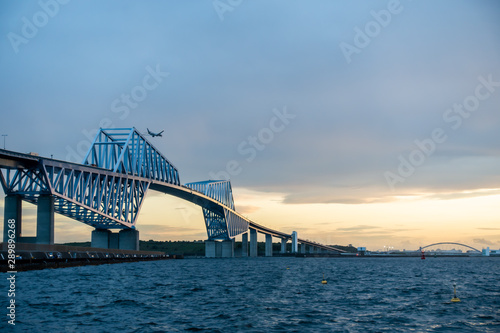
x=487, y=252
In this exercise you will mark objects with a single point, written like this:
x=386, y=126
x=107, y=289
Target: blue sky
x=221, y=78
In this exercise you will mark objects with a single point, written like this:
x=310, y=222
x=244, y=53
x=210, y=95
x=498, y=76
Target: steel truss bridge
x=108, y=189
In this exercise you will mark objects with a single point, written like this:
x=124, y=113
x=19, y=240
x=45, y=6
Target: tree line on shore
x=197, y=248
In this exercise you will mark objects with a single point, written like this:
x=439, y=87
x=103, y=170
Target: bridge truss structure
x=108, y=189
x=220, y=226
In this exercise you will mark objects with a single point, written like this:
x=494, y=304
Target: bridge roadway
x=15, y=160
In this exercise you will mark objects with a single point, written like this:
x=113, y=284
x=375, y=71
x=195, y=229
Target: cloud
x=354, y=122
x=340, y=195
x=371, y=232
x=358, y=228
x=464, y=194
x=67, y=230
x=371, y=194
x=162, y=232
x=246, y=209
x=166, y=229
x=483, y=241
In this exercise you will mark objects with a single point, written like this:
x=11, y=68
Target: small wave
x=125, y=302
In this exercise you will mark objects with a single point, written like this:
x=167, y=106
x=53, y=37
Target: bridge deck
x=16, y=160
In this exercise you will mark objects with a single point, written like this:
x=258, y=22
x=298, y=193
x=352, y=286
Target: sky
x=372, y=123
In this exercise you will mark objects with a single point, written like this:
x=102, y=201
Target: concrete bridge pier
x=294, y=242
x=105, y=239
x=283, y=246
x=114, y=240
x=224, y=249
x=227, y=248
x=12, y=212
x=100, y=238
x=210, y=249
x=303, y=248
x=45, y=220
x=128, y=239
x=253, y=242
x=269, y=245
x=244, y=244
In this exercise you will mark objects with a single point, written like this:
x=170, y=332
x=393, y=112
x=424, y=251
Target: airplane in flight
x=155, y=134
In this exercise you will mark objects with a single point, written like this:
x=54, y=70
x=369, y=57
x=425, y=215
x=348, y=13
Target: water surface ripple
x=264, y=295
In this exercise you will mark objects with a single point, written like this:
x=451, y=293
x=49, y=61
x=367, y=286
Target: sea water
x=262, y=295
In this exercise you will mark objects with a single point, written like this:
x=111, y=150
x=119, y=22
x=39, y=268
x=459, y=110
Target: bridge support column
x=269, y=245
x=45, y=220
x=244, y=244
x=100, y=238
x=302, y=248
x=129, y=239
x=210, y=249
x=114, y=240
x=218, y=249
x=283, y=246
x=227, y=249
x=253, y=243
x=12, y=211
x=295, y=248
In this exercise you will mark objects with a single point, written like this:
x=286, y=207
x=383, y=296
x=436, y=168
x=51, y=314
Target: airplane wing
x=154, y=134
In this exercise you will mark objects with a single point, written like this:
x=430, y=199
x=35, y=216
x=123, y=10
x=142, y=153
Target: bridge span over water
x=107, y=190
x=470, y=248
